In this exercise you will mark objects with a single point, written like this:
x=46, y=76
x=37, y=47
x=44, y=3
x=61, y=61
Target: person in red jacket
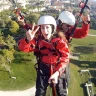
x=66, y=22
x=53, y=53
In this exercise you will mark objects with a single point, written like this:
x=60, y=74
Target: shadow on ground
x=91, y=66
x=86, y=64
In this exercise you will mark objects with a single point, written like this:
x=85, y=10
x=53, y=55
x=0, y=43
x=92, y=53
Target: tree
x=32, y=18
x=10, y=42
x=2, y=24
x=8, y=55
x=2, y=60
x=2, y=40
x=14, y=27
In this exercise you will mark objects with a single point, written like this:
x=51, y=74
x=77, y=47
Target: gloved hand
x=54, y=78
x=31, y=33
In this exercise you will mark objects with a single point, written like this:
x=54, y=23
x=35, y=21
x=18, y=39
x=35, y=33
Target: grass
x=24, y=71
x=92, y=32
x=74, y=87
x=87, y=48
x=23, y=68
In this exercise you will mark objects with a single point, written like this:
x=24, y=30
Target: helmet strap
x=59, y=22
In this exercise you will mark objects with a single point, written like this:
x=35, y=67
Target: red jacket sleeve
x=81, y=32
x=26, y=46
x=63, y=51
x=28, y=26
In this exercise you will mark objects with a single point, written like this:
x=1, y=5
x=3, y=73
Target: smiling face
x=65, y=27
x=46, y=30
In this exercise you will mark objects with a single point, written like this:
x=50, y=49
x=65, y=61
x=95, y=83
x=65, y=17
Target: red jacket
x=53, y=52
x=79, y=32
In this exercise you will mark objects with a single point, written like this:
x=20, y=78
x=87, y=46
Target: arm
x=83, y=32
x=63, y=50
x=23, y=23
x=26, y=46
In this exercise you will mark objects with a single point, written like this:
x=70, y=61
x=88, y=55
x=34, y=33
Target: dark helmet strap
x=59, y=22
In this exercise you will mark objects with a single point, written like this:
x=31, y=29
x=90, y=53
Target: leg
x=42, y=81
x=61, y=87
x=63, y=82
x=41, y=86
x=67, y=75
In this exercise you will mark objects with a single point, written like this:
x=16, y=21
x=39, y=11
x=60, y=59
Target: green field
x=23, y=68
x=87, y=49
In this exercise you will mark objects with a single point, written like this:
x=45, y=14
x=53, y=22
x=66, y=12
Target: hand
x=85, y=19
x=20, y=20
x=31, y=33
x=54, y=78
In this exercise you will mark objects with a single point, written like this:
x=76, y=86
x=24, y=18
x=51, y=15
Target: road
x=28, y=92
x=91, y=35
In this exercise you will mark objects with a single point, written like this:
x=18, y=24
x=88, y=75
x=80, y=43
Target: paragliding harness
x=36, y=66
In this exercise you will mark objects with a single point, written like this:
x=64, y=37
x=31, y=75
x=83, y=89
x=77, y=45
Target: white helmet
x=67, y=17
x=46, y=19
